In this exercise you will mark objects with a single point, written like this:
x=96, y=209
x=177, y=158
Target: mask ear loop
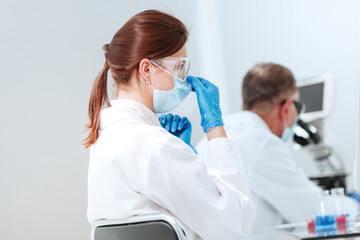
x=148, y=82
x=286, y=125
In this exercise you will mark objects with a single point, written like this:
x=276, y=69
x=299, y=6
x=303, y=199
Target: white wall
x=51, y=52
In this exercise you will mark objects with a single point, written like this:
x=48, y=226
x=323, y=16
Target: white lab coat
x=137, y=167
x=280, y=189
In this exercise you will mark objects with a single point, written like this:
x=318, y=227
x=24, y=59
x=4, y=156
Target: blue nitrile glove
x=179, y=127
x=209, y=102
x=355, y=196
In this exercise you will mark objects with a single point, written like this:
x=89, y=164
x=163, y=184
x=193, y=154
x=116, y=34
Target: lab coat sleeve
x=213, y=202
x=276, y=178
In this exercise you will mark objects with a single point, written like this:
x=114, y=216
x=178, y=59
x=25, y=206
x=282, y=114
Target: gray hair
x=265, y=84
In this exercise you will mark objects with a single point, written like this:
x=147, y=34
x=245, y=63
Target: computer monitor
x=318, y=94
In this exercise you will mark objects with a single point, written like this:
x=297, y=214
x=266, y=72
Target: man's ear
x=145, y=69
x=284, y=109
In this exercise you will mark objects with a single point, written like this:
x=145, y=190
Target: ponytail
x=98, y=99
x=149, y=34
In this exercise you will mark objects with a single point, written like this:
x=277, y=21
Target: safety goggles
x=300, y=107
x=177, y=67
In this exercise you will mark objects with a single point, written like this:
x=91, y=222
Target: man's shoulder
x=244, y=118
x=246, y=125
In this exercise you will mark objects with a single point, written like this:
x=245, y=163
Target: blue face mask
x=165, y=101
x=288, y=131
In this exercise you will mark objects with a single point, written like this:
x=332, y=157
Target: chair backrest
x=141, y=227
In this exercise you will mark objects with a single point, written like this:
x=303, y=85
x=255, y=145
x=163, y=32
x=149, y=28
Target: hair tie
x=106, y=65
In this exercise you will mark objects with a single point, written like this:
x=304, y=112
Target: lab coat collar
x=246, y=117
x=122, y=109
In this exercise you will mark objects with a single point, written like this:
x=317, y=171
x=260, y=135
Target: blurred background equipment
x=311, y=134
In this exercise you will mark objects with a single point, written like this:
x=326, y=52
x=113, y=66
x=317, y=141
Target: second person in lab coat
x=136, y=166
x=281, y=190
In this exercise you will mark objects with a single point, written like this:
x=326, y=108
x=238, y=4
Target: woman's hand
x=179, y=127
x=209, y=102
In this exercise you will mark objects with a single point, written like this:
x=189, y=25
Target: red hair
x=149, y=34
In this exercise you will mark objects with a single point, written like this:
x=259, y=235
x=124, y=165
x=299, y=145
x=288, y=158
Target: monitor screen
x=312, y=96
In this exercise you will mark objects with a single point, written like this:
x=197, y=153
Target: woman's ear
x=145, y=69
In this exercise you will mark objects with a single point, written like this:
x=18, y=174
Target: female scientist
x=138, y=167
